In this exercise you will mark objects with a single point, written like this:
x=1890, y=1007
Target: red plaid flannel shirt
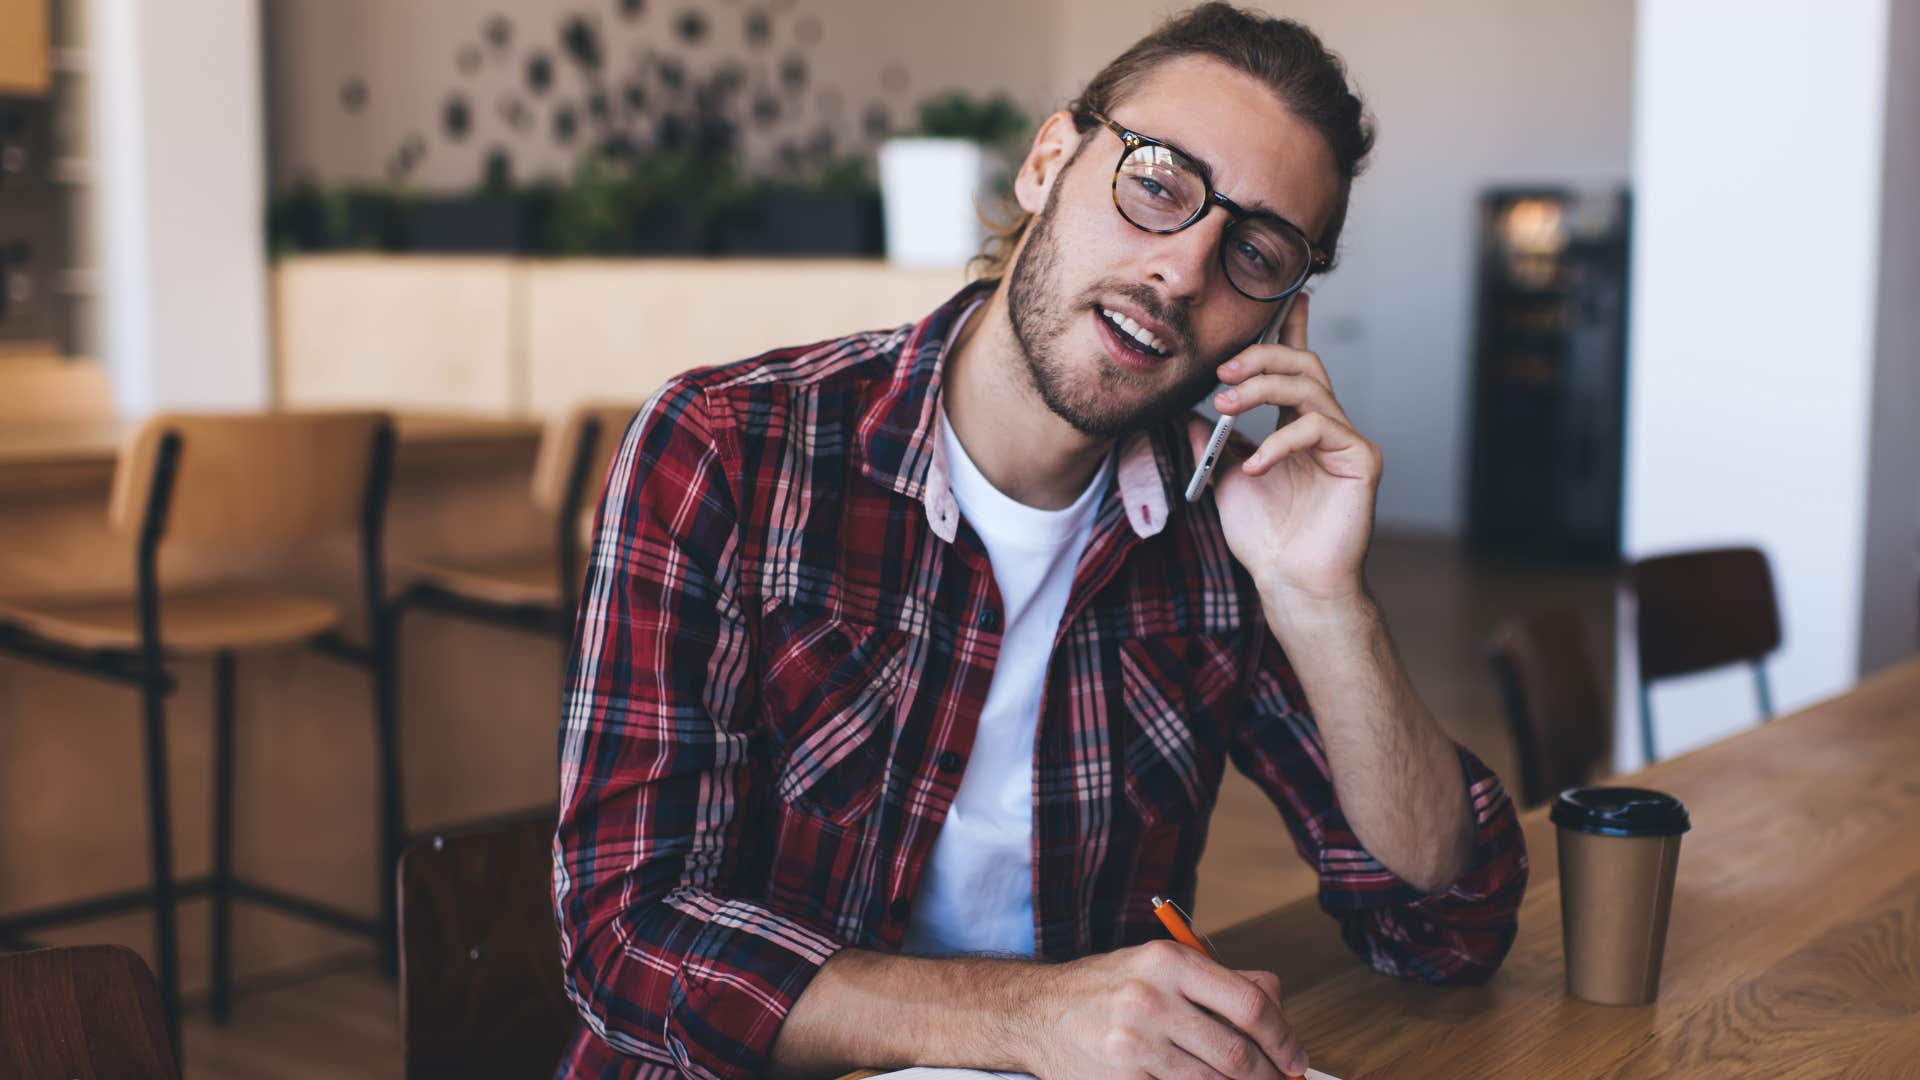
x=783, y=646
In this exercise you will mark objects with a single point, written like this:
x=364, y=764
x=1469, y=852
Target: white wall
x=1467, y=94
x=175, y=142
x=1758, y=172
x=1889, y=621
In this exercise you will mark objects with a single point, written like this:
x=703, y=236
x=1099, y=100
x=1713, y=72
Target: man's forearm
x=1396, y=773
x=870, y=1009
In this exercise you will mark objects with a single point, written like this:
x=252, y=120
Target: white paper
x=924, y=1073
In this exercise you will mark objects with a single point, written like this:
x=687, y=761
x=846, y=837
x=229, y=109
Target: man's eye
x=1250, y=255
x=1153, y=188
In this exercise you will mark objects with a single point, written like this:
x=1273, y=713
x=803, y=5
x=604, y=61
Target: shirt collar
x=899, y=436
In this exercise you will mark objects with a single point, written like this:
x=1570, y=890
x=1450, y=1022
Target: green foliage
x=992, y=122
x=683, y=191
x=310, y=218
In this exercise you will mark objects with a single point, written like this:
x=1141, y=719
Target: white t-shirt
x=976, y=892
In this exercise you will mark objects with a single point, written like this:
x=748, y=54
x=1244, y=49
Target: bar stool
x=538, y=592
x=251, y=484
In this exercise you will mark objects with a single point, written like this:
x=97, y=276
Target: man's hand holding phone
x=1298, y=512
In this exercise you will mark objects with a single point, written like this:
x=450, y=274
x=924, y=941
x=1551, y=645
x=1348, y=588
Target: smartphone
x=1223, y=427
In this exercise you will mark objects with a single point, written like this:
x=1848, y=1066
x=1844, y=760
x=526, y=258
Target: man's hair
x=1307, y=78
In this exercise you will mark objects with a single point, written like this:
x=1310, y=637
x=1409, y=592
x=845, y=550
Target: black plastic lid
x=1620, y=811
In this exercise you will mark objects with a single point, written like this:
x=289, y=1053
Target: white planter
x=931, y=191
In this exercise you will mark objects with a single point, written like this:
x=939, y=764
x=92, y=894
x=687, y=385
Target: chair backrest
x=1556, y=709
x=480, y=981
x=602, y=421
x=252, y=479
x=84, y=1011
x=1703, y=609
x=49, y=389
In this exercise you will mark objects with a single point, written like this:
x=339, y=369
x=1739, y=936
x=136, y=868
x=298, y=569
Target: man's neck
x=1026, y=451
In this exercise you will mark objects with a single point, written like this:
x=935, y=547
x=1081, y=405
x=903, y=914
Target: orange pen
x=1176, y=923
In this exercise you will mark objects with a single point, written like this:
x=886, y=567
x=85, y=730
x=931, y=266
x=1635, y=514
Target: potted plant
x=309, y=218
x=833, y=208
x=492, y=217
x=934, y=181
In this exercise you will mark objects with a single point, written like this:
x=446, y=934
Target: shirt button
x=950, y=762
x=989, y=620
x=901, y=909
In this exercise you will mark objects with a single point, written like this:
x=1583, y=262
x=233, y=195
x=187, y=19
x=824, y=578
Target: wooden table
x=1794, y=949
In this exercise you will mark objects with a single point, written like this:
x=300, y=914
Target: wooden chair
x=1556, y=710
x=536, y=592
x=248, y=485
x=1700, y=610
x=480, y=978
x=85, y=1012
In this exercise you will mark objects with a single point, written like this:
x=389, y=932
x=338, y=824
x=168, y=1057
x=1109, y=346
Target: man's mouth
x=1134, y=336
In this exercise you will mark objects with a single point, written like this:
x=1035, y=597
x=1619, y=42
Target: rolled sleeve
x=740, y=974
x=1458, y=935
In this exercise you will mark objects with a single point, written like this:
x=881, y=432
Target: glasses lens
x=1158, y=189
x=1265, y=258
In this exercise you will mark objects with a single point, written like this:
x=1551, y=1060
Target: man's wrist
x=1293, y=613
x=1019, y=1015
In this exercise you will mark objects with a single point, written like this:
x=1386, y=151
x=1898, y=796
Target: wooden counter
x=529, y=335
x=1794, y=947
x=480, y=705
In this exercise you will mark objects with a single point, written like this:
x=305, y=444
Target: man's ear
x=1053, y=144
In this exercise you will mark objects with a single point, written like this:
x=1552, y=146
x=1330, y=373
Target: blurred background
x=1623, y=280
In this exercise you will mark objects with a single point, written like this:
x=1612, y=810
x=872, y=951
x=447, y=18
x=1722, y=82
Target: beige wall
x=405, y=53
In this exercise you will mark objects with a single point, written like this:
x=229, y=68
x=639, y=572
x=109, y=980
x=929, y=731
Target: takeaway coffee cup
x=1619, y=848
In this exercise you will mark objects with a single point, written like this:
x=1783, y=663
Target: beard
x=1107, y=402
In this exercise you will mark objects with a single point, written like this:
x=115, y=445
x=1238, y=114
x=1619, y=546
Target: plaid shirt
x=783, y=647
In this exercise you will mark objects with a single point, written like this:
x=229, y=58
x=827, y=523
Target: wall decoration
x=457, y=118
x=692, y=127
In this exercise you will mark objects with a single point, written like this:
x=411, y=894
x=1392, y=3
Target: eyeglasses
x=1159, y=189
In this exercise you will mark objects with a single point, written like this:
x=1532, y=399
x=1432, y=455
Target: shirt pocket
x=1176, y=690
x=831, y=688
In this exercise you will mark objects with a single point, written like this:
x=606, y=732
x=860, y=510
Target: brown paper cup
x=1619, y=850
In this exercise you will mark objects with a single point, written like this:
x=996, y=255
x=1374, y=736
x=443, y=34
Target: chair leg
x=1646, y=726
x=222, y=894
x=160, y=847
x=392, y=814
x=1766, y=692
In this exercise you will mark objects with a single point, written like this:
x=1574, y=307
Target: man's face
x=1081, y=260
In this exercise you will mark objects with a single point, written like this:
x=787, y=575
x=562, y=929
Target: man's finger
x=1295, y=392
x=1267, y=981
x=1294, y=330
x=1347, y=454
x=1246, y=1007
x=1223, y=1050
x=1278, y=360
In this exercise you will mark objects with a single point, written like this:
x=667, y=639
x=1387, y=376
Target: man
x=905, y=676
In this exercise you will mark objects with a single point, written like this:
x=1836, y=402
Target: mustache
x=1147, y=300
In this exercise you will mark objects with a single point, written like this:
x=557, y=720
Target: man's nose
x=1184, y=262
